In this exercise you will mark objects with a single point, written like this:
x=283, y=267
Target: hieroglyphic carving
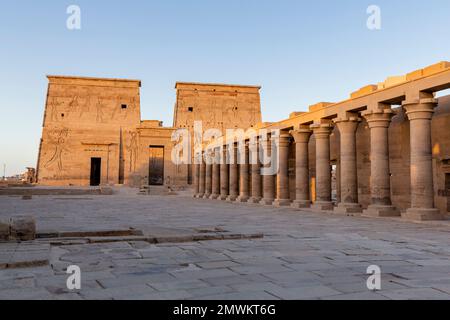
x=99, y=108
x=115, y=110
x=53, y=108
x=84, y=107
x=133, y=148
x=57, y=139
x=230, y=111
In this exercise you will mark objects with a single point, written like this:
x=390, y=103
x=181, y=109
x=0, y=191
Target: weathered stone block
x=319, y=106
x=4, y=231
x=23, y=228
x=364, y=91
x=106, y=191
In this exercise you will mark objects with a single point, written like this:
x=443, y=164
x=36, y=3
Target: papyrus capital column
x=196, y=176
x=256, y=172
x=268, y=188
x=216, y=174
x=234, y=173
x=282, y=192
x=380, y=183
x=347, y=126
x=322, y=133
x=224, y=181
x=419, y=113
x=208, y=173
x=202, y=175
x=302, y=194
x=243, y=172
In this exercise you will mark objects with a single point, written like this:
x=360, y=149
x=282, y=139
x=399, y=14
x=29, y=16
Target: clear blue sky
x=301, y=52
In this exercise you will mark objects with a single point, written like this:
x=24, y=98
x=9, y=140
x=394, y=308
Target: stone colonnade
x=246, y=181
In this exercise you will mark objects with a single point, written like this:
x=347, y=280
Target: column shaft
x=196, y=178
x=243, y=176
x=323, y=168
x=283, y=196
x=256, y=172
x=380, y=184
x=302, y=194
x=422, y=189
x=347, y=127
x=216, y=175
x=202, y=175
x=268, y=176
x=234, y=182
x=208, y=175
x=224, y=181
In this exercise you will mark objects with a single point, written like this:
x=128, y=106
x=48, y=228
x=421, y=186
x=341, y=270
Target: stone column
x=380, y=176
x=234, y=182
x=256, y=172
x=302, y=194
x=419, y=114
x=322, y=133
x=244, y=176
x=208, y=174
x=216, y=175
x=196, y=176
x=268, y=189
x=202, y=174
x=347, y=126
x=283, y=197
x=224, y=182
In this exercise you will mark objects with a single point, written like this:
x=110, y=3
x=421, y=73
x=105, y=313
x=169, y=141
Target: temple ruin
x=388, y=147
x=385, y=151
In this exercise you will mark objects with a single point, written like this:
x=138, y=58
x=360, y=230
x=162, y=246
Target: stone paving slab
x=303, y=255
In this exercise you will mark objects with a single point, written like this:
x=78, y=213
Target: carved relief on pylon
x=53, y=106
x=133, y=149
x=57, y=140
x=99, y=110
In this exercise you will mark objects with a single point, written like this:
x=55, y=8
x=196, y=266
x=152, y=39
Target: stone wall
x=87, y=118
x=217, y=106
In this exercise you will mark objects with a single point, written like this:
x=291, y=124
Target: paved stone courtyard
x=303, y=255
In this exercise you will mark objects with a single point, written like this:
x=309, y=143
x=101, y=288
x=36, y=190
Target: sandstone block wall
x=87, y=118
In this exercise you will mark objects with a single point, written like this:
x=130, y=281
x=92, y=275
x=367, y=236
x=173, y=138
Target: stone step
x=156, y=190
x=88, y=234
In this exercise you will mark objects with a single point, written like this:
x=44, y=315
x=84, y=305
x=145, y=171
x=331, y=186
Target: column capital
x=284, y=139
x=322, y=129
x=347, y=117
x=378, y=118
x=420, y=108
x=302, y=134
x=347, y=123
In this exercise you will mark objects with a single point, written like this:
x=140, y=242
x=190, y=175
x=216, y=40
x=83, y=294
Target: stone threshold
x=65, y=241
x=36, y=253
x=87, y=234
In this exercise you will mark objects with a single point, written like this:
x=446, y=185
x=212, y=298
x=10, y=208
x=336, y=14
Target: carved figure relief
x=133, y=148
x=53, y=109
x=116, y=107
x=99, y=107
x=84, y=108
x=57, y=141
x=73, y=105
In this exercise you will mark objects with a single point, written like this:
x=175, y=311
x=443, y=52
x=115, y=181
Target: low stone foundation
x=36, y=191
x=18, y=229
